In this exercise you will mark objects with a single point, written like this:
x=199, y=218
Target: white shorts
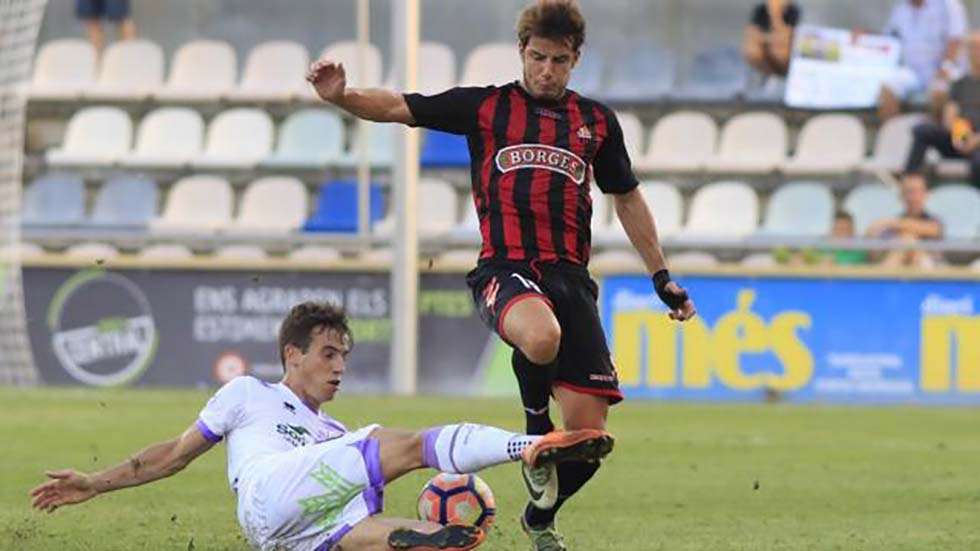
x=308, y=499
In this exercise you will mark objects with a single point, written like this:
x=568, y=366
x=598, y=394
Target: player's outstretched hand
x=686, y=310
x=328, y=78
x=66, y=487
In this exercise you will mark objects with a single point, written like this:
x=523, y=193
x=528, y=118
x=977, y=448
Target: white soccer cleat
x=542, y=484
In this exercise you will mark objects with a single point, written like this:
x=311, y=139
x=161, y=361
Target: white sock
x=467, y=448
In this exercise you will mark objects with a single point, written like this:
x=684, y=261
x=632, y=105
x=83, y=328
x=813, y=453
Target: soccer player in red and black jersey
x=535, y=148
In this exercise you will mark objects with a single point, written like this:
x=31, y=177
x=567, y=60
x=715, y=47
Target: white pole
x=363, y=158
x=405, y=271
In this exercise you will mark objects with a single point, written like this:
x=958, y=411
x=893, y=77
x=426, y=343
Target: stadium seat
x=804, y=209
x=168, y=137
x=337, y=210
x=680, y=142
x=439, y=75
x=443, y=150
x=715, y=74
x=96, y=136
x=310, y=138
x=603, y=224
x=617, y=260
x=130, y=70
x=367, y=75
x=666, y=204
x=315, y=253
x=632, y=134
x=240, y=252
x=166, y=251
x=644, y=73
x=587, y=76
x=892, y=145
x=126, y=201
x=723, y=210
x=274, y=71
x=202, y=70
x=867, y=203
x=54, y=200
x=275, y=204
x=958, y=206
x=759, y=260
x=975, y=265
x=64, y=69
x=196, y=203
x=693, y=259
x=469, y=228
x=751, y=143
x=92, y=250
x=495, y=63
x=381, y=146
x=828, y=144
x=437, y=208
x=225, y=147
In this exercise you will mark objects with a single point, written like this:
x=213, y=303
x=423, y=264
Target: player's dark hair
x=552, y=19
x=843, y=215
x=305, y=318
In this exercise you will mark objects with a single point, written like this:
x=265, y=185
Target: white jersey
x=260, y=419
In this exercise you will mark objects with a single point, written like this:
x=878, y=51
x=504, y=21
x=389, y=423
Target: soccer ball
x=457, y=499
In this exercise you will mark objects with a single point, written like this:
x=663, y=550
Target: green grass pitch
x=683, y=476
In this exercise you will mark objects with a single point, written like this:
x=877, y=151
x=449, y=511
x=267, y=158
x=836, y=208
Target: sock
x=571, y=477
x=467, y=448
x=534, y=381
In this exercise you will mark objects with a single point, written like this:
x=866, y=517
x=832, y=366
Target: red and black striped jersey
x=532, y=163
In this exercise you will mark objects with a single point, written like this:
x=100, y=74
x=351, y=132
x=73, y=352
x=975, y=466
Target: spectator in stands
x=930, y=32
x=956, y=136
x=913, y=225
x=768, y=38
x=844, y=229
x=92, y=12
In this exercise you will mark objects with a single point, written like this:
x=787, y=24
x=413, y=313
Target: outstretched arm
x=637, y=220
x=157, y=461
x=329, y=79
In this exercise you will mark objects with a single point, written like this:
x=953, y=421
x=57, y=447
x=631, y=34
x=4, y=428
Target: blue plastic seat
x=442, y=150
x=54, y=200
x=336, y=207
x=126, y=201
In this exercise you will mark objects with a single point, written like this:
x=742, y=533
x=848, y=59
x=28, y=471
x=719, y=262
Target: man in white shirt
x=303, y=481
x=931, y=32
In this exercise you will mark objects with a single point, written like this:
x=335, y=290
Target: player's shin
x=535, y=384
x=467, y=447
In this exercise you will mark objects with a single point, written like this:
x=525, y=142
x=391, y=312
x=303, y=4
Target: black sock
x=535, y=383
x=571, y=477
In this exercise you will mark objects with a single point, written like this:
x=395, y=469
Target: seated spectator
x=844, y=229
x=913, y=225
x=956, y=136
x=92, y=12
x=930, y=32
x=768, y=38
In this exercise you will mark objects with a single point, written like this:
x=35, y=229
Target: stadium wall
x=800, y=338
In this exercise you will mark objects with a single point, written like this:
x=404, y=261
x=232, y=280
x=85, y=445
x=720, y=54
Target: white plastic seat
x=166, y=251
x=167, y=137
x=315, y=253
x=723, y=210
x=692, y=259
x=469, y=228
x=975, y=265
x=958, y=207
x=666, y=204
x=828, y=144
x=493, y=63
x=602, y=218
x=308, y=138
x=680, y=142
x=93, y=250
x=759, y=260
x=368, y=75
x=275, y=204
x=751, y=143
x=63, y=70
x=274, y=71
x=892, y=144
x=437, y=210
x=237, y=138
x=632, y=134
x=800, y=209
x=202, y=70
x=196, y=203
x=130, y=70
x=96, y=136
x=439, y=74
x=240, y=252
x=868, y=203
x=381, y=146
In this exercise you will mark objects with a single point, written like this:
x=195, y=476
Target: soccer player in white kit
x=302, y=480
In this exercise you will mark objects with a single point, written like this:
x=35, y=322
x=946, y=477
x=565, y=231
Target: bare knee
x=541, y=344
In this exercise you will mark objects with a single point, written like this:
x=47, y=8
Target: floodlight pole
x=405, y=269
x=363, y=149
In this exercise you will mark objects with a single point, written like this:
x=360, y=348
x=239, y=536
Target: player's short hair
x=554, y=20
x=303, y=319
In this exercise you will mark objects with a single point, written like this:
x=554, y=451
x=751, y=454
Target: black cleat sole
x=451, y=538
x=591, y=449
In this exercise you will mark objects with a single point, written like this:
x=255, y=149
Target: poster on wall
x=836, y=69
x=834, y=340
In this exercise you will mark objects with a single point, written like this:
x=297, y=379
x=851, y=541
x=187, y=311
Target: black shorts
x=114, y=10
x=584, y=362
